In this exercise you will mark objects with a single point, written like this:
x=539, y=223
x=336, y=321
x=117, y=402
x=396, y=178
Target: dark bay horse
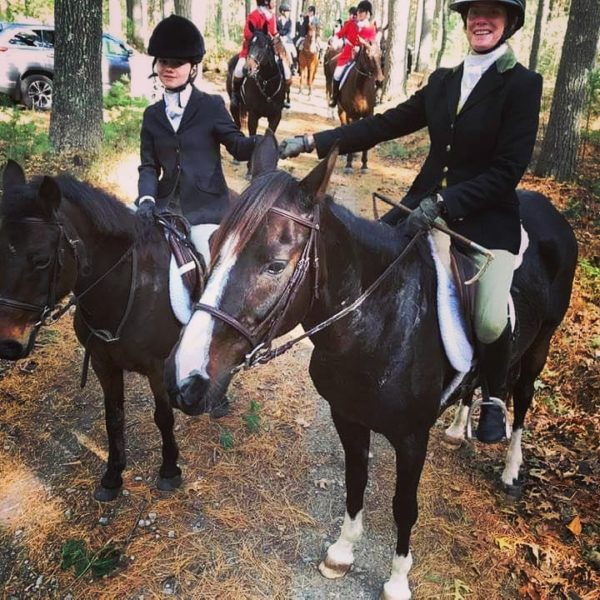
x=329, y=63
x=286, y=253
x=61, y=235
x=308, y=59
x=264, y=89
x=358, y=95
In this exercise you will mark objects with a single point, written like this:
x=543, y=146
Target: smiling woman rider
x=482, y=118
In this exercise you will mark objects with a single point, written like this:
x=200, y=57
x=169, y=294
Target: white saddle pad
x=181, y=302
x=345, y=74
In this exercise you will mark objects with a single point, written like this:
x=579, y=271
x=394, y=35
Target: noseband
x=261, y=336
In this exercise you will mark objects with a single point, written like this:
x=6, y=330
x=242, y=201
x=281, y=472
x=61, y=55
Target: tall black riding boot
x=334, y=93
x=236, y=85
x=493, y=372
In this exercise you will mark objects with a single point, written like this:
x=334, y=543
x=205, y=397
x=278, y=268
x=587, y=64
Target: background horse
x=263, y=90
x=308, y=59
x=61, y=235
x=286, y=253
x=329, y=63
x=357, y=97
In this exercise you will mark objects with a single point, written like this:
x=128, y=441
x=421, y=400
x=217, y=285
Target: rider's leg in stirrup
x=238, y=78
x=337, y=75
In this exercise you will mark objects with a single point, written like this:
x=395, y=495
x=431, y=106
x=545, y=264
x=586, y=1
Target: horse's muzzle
x=12, y=350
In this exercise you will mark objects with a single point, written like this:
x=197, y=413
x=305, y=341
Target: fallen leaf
x=504, y=543
x=575, y=526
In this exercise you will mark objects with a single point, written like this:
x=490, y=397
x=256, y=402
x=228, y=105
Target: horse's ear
x=316, y=182
x=49, y=193
x=13, y=175
x=265, y=155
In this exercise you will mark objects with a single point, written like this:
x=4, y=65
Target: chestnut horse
x=308, y=59
x=365, y=293
x=358, y=94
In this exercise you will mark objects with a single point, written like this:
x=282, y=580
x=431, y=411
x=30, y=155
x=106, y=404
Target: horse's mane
x=108, y=215
x=248, y=212
x=375, y=236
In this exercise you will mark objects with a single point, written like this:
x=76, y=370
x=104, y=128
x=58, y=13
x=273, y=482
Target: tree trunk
x=418, y=29
x=168, y=8
x=558, y=157
x=76, y=119
x=442, y=33
x=137, y=23
x=249, y=7
x=423, y=58
x=536, y=37
x=183, y=8
x=394, y=84
x=115, y=18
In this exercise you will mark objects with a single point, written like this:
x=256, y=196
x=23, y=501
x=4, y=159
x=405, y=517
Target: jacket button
x=445, y=170
x=448, y=148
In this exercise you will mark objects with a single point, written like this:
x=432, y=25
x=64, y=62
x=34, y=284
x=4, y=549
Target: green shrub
x=119, y=96
x=20, y=138
x=122, y=131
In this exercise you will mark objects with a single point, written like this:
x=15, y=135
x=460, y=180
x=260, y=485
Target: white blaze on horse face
x=192, y=354
x=514, y=459
x=396, y=588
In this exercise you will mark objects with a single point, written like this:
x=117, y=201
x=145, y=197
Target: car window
x=48, y=37
x=110, y=46
x=26, y=38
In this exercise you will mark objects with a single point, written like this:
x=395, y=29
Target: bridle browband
x=262, y=352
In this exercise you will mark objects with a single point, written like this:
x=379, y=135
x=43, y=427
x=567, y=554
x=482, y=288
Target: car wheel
x=36, y=92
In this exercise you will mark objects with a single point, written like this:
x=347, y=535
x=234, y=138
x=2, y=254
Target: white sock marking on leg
x=396, y=588
x=457, y=429
x=341, y=552
x=514, y=458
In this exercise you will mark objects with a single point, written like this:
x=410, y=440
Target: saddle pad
x=345, y=74
x=457, y=345
x=181, y=302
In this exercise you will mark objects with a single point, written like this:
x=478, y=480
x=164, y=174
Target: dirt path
x=264, y=493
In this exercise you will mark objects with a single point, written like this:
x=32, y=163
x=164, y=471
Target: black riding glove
x=291, y=147
x=147, y=210
x=423, y=217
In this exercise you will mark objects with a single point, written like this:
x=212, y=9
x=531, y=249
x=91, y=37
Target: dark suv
x=27, y=62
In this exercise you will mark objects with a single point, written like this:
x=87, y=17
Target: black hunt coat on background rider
x=190, y=158
x=480, y=153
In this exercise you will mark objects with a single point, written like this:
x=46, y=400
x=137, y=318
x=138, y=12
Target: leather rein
x=261, y=337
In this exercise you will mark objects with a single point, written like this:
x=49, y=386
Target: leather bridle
x=265, y=332
x=261, y=337
x=44, y=312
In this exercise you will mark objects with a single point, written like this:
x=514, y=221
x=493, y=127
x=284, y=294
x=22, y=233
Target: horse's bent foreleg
x=355, y=440
x=169, y=473
x=111, y=380
x=410, y=456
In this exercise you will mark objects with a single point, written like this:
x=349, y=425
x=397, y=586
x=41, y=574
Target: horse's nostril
x=192, y=392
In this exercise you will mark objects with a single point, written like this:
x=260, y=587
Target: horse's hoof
x=103, y=494
x=168, y=484
x=454, y=443
x=513, y=491
x=331, y=570
x=348, y=170
x=364, y=170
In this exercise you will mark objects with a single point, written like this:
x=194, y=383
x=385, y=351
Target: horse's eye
x=41, y=261
x=276, y=267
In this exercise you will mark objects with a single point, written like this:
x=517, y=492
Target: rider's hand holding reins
x=147, y=209
x=291, y=147
x=423, y=217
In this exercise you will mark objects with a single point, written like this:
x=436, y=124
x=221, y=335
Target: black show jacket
x=190, y=159
x=476, y=157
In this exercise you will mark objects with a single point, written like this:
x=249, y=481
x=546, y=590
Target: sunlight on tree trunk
x=76, y=119
x=537, y=35
x=423, y=58
x=418, y=30
x=394, y=85
x=442, y=35
x=558, y=157
x=183, y=8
